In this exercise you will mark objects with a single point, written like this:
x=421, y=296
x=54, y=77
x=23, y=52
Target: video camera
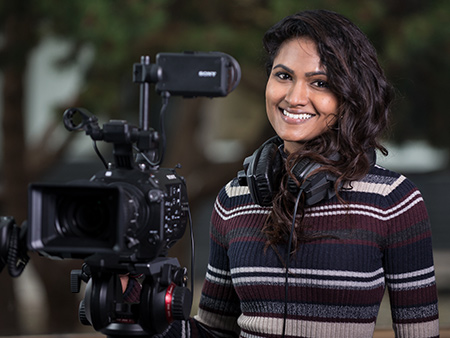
x=132, y=208
x=126, y=217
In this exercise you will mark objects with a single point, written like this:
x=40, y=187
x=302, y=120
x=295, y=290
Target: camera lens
x=85, y=216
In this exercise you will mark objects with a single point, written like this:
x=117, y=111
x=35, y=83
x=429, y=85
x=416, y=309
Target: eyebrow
x=286, y=68
x=309, y=74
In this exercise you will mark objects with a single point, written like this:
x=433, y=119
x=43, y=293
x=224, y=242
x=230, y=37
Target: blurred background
x=56, y=54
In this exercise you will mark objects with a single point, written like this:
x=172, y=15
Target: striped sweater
x=380, y=239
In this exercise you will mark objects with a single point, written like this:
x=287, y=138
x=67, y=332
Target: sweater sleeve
x=409, y=267
x=219, y=305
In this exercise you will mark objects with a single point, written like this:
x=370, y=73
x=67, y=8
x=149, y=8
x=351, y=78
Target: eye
x=321, y=84
x=283, y=76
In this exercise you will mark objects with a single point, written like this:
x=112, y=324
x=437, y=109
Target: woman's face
x=299, y=104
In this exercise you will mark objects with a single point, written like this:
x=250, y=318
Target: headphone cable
x=286, y=284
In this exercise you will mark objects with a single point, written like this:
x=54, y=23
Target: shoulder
x=234, y=195
x=383, y=182
x=234, y=207
x=384, y=189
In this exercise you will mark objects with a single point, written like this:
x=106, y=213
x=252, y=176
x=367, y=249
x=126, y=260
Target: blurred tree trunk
x=17, y=171
x=19, y=40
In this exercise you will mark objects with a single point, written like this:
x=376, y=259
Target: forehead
x=299, y=52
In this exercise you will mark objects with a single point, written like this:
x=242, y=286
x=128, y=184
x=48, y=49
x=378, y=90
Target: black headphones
x=262, y=174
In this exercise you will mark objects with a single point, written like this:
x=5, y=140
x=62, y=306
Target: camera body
x=136, y=214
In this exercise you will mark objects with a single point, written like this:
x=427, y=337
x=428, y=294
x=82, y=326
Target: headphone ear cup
x=267, y=174
x=263, y=171
x=315, y=187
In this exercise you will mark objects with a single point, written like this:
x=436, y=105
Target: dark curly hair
x=364, y=95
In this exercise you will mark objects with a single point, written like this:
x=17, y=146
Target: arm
x=409, y=268
x=219, y=304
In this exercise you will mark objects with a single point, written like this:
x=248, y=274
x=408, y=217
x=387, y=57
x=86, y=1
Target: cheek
x=268, y=93
x=329, y=106
x=273, y=92
x=270, y=98
x=267, y=98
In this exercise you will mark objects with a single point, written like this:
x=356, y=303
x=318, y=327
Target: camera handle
x=145, y=73
x=164, y=297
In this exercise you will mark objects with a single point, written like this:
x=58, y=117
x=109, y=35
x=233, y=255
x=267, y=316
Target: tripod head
x=164, y=296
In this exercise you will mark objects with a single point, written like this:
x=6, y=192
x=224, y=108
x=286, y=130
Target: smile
x=302, y=116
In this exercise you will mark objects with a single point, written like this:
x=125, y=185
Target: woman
x=327, y=100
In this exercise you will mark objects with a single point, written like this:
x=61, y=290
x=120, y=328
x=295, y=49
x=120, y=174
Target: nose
x=297, y=94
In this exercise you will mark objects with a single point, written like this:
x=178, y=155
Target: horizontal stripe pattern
x=411, y=280
x=366, y=210
x=251, y=209
x=305, y=328
x=309, y=277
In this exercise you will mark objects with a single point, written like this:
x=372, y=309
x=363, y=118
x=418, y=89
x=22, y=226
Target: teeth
x=297, y=116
